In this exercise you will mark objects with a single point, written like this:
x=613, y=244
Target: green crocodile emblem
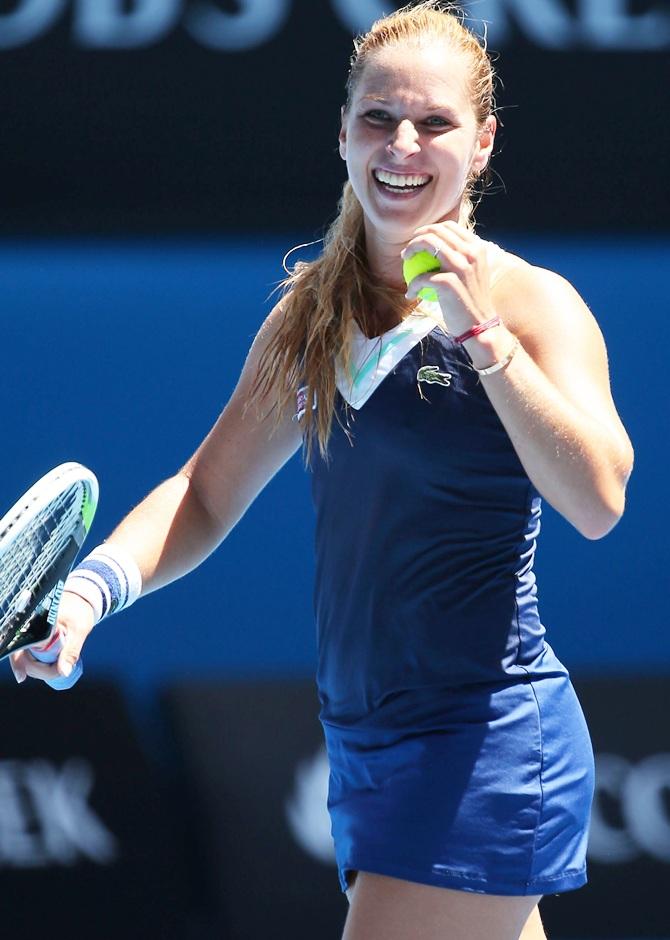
x=433, y=375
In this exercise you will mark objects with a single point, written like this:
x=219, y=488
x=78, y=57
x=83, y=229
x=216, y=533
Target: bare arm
x=554, y=397
x=185, y=518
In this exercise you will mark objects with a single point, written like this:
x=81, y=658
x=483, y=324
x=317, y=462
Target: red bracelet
x=479, y=328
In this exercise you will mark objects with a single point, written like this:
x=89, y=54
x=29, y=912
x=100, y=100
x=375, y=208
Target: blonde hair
x=321, y=298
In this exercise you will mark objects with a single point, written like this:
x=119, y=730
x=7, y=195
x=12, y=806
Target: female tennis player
x=461, y=766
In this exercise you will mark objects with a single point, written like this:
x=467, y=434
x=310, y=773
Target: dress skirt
x=489, y=792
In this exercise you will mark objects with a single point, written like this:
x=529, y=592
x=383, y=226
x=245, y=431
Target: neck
x=383, y=252
x=384, y=261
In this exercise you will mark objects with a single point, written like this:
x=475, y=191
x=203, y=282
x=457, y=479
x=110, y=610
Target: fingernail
x=20, y=677
x=66, y=669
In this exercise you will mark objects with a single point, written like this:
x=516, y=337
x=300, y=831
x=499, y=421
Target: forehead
x=423, y=73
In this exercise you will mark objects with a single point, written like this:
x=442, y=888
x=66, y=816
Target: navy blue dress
x=459, y=753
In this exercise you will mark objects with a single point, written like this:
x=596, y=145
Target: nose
x=405, y=140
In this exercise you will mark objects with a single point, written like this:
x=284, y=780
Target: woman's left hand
x=462, y=284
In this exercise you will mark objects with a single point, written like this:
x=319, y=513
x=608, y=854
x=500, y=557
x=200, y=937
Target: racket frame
x=33, y=618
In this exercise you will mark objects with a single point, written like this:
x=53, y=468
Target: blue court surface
x=124, y=352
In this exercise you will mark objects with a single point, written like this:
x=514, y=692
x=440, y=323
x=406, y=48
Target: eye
x=436, y=121
x=377, y=115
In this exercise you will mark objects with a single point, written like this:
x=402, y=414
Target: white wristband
x=109, y=579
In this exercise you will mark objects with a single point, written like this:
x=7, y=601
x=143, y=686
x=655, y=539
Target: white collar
x=373, y=359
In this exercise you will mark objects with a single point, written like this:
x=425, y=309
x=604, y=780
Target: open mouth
x=401, y=183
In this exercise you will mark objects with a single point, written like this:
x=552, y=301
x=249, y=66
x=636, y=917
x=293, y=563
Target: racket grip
x=50, y=655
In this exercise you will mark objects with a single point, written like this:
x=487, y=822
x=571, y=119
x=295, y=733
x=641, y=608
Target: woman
x=461, y=768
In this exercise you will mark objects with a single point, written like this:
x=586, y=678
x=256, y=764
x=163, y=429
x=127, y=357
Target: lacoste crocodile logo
x=433, y=375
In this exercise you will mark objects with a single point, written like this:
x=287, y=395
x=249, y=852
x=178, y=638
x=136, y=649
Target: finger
x=443, y=282
x=38, y=670
x=70, y=642
x=451, y=259
x=460, y=231
x=427, y=242
x=67, y=659
x=470, y=244
x=450, y=233
x=454, y=230
x=17, y=667
x=440, y=248
x=448, y=257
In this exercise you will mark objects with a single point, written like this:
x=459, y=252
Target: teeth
x=400, y=182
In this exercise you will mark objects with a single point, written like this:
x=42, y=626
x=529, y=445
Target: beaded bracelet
x=109, y=579
x=478, y=328
x=497, y=366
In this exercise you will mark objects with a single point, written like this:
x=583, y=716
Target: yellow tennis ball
x=421, y=263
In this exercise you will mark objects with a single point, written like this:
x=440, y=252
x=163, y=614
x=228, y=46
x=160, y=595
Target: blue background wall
x=120, y=355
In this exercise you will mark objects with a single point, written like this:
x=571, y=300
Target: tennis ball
x=421, y=263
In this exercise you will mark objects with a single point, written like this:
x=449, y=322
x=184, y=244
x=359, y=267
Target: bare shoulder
x=559, y=332
x=272, y=322
x=247, y=445
x=262, y=340
x=540, y=306
x=268, y=328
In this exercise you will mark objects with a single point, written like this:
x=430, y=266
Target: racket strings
x=37, y=546
x=36, y=494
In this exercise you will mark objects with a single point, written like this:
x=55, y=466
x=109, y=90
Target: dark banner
x=629, y=841
x=203, y=115
x=87, y=845
x=92, y=837
x=254, y=756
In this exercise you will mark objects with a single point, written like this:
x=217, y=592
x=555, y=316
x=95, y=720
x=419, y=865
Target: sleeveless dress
x=459, y=755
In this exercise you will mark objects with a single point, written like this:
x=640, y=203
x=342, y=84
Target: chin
x=399, y=223
x=393, y=231
x=399, y=227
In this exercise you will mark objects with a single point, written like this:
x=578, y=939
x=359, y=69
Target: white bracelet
x=497, y=366
x=109, y=579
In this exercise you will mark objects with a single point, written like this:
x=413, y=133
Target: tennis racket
x=40, y=538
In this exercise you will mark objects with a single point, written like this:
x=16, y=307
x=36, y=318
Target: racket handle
x=50, y=655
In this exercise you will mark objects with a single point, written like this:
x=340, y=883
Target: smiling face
x=411, y=139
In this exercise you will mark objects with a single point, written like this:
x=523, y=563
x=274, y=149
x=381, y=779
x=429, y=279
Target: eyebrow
x=380, y=99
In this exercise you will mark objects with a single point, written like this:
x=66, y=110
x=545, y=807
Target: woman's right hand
x=74, y=623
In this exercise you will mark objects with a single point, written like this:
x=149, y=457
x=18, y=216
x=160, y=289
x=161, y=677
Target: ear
x=484, y=146
x=343, y=134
